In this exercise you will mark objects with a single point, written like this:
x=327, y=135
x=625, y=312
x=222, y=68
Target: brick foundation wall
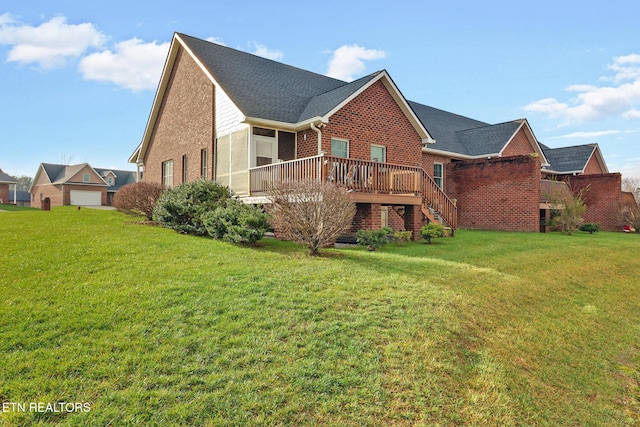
x=497, y=194
x=603, y=197
x=368, y=217
x=185, y=124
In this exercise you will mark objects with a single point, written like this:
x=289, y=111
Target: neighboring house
x=20, y=198
x=247, y=121
x=6, y=181
x=77, y=184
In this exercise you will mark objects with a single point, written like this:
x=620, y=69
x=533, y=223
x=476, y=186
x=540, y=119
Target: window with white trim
x=204, y=165
x=339, y=147
x=167, y=173
x=86, y=178
x=438, y=173
x=378, y=153
x=185, y=175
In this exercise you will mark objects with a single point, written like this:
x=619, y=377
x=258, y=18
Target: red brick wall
x=4, y=193
x=602, y=198
x=185, y=124
x=40, y=192
x=497, y=194
x=427, y=164
x=371, y=118
x=519, y=145
x=593, y=167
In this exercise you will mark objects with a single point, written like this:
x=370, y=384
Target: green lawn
x=150, y=327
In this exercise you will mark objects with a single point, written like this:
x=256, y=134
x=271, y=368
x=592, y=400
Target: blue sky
x=77, y=79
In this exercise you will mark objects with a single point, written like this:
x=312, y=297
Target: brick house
x=6, y=182
x=246, y=121
x=77, y=185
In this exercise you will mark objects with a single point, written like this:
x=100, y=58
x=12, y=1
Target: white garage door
x=86, y=198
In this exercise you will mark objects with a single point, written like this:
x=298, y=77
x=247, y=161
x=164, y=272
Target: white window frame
x=86, y=178
x=167, y=173
x=345, y=141
x=204, y=163
x=439, y=180
x=384, y=153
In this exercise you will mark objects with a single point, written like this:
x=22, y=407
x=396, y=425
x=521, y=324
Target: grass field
x=149, y=327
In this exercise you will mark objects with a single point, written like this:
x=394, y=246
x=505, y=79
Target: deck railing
x=359, y=176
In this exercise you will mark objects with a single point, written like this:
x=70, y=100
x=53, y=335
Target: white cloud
x=587, y=135
x=216, y=40
x=627, y=68
x=632, y=114
x=265, y=52
x=50, y=44
x=598, y=102
x=133, y=64
x=348, y=61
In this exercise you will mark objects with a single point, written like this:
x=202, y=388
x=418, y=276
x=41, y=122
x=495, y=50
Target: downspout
x=319, y=132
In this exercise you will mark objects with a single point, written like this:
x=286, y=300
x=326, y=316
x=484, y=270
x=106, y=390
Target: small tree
x=432, y=231
x=138, y=199
x=310, y=212
x=567, y=216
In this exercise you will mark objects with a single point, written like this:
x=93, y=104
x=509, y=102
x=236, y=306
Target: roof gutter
x=319, y=132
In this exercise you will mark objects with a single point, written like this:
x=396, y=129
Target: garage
x=86, y=198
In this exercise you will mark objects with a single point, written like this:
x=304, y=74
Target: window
x=264, y=132
x=86, y=178
x=167, y=173
x=378, y=153
x=110, y=181
x=437, y=174
x=340, y=148
x=184, y=168
x=204, y=167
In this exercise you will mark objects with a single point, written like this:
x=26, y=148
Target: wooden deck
x=370, y=182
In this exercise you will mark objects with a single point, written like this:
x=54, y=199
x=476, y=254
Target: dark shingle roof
x=568, y=159
x=6, y=179
x=263, y=88
x=122, y=177
x=53, y=171
x=462, y=135
x=487, y=139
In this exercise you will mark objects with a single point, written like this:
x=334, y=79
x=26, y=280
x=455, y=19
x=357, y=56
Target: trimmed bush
x=236, y=222
x=138, y=199
x=181, y=208
x=373, y=239
x=402, y=236
x=432, y=231
x=590, y=227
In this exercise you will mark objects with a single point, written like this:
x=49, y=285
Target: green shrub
x=590, y=227
x=181, y=208
x=432, y=231
x=236, y=222
x=373, y=239
x=402, y=236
